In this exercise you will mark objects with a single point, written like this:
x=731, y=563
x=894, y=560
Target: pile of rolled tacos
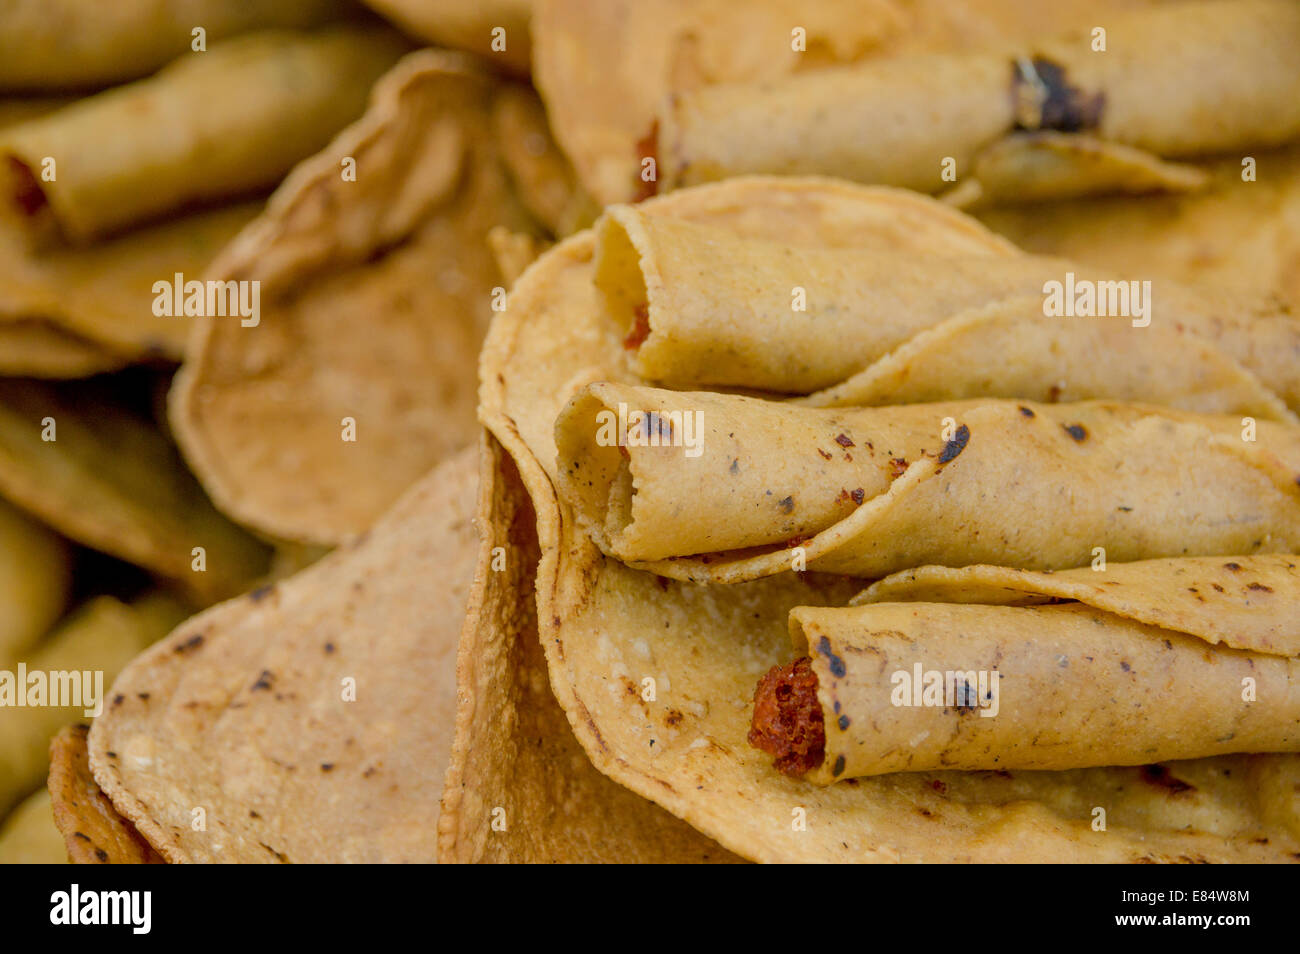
x=672, y=431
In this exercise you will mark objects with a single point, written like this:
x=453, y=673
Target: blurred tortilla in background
x=67, y=44
x=376, y=294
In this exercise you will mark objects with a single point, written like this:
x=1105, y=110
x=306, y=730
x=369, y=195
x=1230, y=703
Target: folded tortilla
x=702, y=306
x=68, y=44
x=705, y=486
x=901, y=687
x=1039, y=166
x=1241, y=234
x=216, y=124
x=605, y=69
x=76, y=457
x=91, y=830
x=375, y=297
x=519, y=788
x=339, y=699
x=607, y=628
x=98, y=299
x=1163, y=71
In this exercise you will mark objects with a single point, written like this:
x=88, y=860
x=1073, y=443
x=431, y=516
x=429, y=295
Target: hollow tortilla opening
x=621, y=281
x=600, y=481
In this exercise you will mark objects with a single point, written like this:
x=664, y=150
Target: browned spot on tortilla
x=1056, y=105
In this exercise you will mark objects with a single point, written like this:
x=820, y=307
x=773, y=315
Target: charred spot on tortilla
x=966, y=697
x=654, y=425
x=1234, y=567
x=955, y=446
x=1077, y=431
x=1159, y=775
x=786, y=504
x=787, y=722
x=194, y=642
x=1026, y=411
x=1045, y=100
x=836, y=663
x=260, y=593
x=897, y=465
x=844, y=440
x=640, y=329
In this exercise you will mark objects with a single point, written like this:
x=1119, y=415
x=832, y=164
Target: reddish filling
x=787, y=722
x=647, y=147
x=641, y=330
x=28, y=194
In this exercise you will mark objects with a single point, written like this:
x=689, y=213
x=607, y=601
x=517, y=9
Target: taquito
x=1147, y=662
x=702, y=306
x=909, y=120
x=724, y=488
x=71, y=44
x=226, y=122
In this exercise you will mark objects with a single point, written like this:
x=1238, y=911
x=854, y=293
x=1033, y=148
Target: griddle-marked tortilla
x=375, y=296
x=707, y=645
x=112, y=481
x=214, y=125
x=67, y=44
x=92, y=830
x=539, y=172
x=1163, y=70
x=1059, y=686
x=870, y=491
x=518, y=787
x=700, y=306
x=241, y=710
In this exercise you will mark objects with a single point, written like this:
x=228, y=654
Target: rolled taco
x=719, y=487
x=1146, y=662
x=212, y=125
x=1161, y=72
x=703, y=306
x=611, y=632
x=67, y=44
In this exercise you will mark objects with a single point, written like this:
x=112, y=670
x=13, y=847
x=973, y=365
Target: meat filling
x=28, y=195
x=788, y=722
